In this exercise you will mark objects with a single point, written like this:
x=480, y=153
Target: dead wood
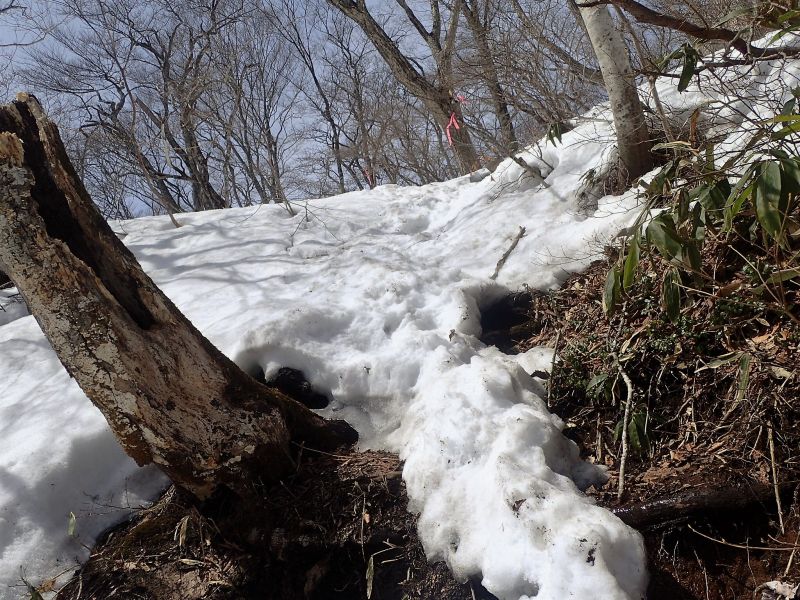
x=694, y=502
x=168, y=394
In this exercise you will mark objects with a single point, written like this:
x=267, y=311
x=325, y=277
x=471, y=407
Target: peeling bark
x=169, y=395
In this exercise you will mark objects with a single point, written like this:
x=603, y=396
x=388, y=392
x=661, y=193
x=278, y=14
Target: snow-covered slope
x=376, y=297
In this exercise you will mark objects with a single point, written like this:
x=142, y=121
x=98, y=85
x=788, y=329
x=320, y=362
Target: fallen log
x=690, y=503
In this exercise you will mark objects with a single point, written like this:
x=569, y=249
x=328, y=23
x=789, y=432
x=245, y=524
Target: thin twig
x=508, y=252
x=304, y=447
x=80, y=583
x=551, y=381
x=705, y=573
x=628, y=402
x=363, y=514
x=742, y=546
x=775, y=477
x=791, y=556
x=599, y=450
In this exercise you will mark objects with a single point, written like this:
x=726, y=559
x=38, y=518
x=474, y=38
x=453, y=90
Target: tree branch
x=643, y=14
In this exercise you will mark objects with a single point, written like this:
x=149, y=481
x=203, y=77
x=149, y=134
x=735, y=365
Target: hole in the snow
x=294, y=384
x=506, y=322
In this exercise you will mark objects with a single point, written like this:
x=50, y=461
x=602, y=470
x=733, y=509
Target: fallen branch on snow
x=508, y=252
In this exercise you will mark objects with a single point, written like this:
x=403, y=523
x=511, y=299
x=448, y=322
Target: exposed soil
x=339, y=528
x=713, y=423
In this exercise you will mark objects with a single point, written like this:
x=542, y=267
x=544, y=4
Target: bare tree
x=478, y=15
x=251, y=107
x=182, y=55
x=9, y=5
x=633, y=138
x=141, y=77
x=108, y=180
x=299, y=29
x=9, y=12
x=437, y=94
x=544, y=62
x=373, y=129
x=382, y=138
x=215, y=103
x=351, y=71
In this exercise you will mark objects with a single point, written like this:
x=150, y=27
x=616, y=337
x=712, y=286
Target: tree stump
x=170, y=397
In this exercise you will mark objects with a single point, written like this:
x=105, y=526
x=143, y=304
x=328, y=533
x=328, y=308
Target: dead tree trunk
x=170, y=397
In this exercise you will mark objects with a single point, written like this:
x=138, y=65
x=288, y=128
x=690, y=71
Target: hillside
x=377, y=297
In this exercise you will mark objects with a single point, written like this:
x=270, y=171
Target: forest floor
x=338, y=528
x=713, y=436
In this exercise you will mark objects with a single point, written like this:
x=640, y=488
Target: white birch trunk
x=633, y=138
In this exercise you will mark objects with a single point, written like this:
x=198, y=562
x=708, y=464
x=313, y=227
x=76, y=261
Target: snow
x=733, y=103
x=376, y=297
x=58, y=456
x=12, y=306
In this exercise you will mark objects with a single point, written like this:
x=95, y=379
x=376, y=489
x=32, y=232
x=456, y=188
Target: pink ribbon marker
x=453, y=120
x=368, y=177
x=453, y=123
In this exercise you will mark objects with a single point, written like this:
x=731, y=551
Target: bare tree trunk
x=204, y=195
x=288, y=25
x=170, y=397
x=438, y=99
x=537, y=31
x=462, y=140
x=274, y=162
x=633, y=139
x=489, y=73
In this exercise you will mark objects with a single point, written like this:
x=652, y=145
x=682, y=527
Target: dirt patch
x=339, y=528
x=715, y=411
